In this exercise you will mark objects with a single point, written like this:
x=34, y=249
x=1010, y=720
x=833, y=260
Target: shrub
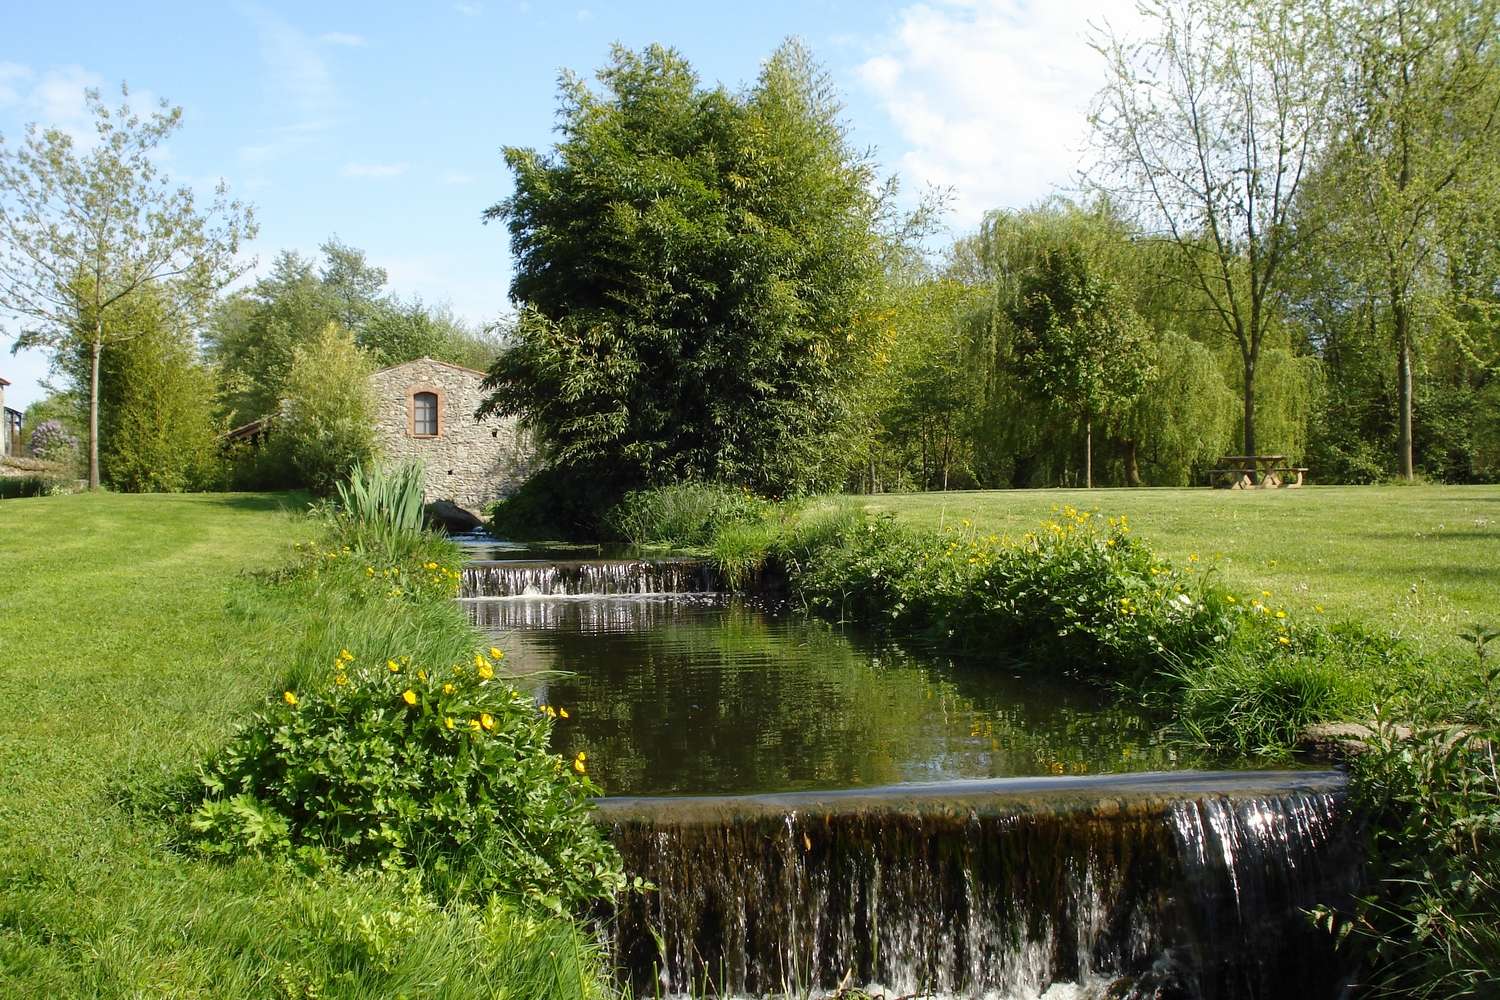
x=36, y=485
x=688, y=515
x=558, y=502
x=425, y=761
x=161, y=435
x=328, y=411
x=51, y=442
x=441, y=769
x=1081, y=592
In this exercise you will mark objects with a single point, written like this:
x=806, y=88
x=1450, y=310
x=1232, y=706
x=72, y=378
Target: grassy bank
x=1415, y=559
x=132, y=643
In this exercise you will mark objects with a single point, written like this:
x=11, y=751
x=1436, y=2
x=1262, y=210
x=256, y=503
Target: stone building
x=424, y=409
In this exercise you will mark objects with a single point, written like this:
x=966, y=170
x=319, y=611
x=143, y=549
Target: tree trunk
x=1088, y=453
x=95, y=350
x=1132, y=464
x=1250, y=405
x=1401, y=316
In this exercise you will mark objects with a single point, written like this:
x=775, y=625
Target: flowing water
x=820, y=807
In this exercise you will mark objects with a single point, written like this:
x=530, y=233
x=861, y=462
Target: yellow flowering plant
x=441, y=769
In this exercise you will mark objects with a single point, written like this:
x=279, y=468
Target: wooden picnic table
x=1250, y=472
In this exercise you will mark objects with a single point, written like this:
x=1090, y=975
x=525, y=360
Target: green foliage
x=694, y=267
x=556, y=503
x=33, y=485
x=328, y=410
x=440, y=769
x=1079, y=594
x=412, y=753
x=161, y=436
x=688, y=515
x=1430, y=925
x=383, y=503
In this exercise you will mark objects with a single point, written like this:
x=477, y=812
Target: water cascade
x=587, y=577
x=1187, y=885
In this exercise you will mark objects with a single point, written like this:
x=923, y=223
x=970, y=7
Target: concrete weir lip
x=1133, y=792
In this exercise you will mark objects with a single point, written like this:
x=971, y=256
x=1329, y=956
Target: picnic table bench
x=1256, y=472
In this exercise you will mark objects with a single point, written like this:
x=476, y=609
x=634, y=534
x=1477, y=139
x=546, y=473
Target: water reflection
x=704, y=694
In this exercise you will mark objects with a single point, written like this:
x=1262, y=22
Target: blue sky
x=382, y=123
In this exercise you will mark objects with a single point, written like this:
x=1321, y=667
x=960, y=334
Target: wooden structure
x=1256, y=472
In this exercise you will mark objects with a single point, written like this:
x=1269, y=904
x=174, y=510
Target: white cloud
x=12, y=77
x=373, y=169
x=991, y=97
x=456, y=177
x=297, y=74
x=343, y=38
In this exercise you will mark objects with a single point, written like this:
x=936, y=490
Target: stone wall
x=471, y=462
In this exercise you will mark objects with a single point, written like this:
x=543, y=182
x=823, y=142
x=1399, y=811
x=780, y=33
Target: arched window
x=424, y=414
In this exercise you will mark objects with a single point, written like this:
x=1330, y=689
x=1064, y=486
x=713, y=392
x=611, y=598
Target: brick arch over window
x=426, y=392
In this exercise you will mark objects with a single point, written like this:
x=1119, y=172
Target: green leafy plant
x=687, y=515
x=438, y=769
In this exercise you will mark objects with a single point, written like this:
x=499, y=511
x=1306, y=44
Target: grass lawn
x=1418, y=559
x=131, y=642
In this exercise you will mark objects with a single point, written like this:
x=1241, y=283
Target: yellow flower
x=421, y=675
x=341, y=679
x=486, y=671
x=578, y=762
x=289, y=698
x=345, y=655
x=448, y=689
x=1280, y=613
x=474, y=725
x=1265, y=593
x=409, y=696
x=1192, y=557
x=448, y=722
x=430, y=565
x=487, y=721
x=1231, y=598
x=478, y=660
x=563, y=712
x=1318, y=608
x=1283, y=640
x=392, y=666
x=369, y=571
x=496, y=653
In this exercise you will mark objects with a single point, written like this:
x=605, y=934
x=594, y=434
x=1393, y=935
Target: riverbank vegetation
x=143, y=646
x=1241, y=669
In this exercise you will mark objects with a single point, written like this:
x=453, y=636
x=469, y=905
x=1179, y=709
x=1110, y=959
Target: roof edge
x=445, y=364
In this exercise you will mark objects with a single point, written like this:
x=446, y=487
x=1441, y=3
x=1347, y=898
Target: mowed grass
x=1423, y=561
x=131, y=642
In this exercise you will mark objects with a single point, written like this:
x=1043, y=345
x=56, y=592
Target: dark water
x=706, y=694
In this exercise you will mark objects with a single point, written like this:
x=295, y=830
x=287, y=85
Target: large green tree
x=1417, y=116
x=84, y=232
x=695, y=269
x=1078, y=345
x=1206, y=129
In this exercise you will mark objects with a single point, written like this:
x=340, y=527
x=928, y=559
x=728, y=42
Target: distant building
x=424, y=409
x=10, y=430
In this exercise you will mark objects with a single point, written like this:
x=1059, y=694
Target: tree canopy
x=695, y=269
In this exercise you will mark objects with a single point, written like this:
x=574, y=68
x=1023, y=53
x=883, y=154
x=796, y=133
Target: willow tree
x=695, y=271
x=1206, y=128
x=83, y=231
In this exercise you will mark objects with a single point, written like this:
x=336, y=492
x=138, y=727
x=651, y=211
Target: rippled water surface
x=701, y=693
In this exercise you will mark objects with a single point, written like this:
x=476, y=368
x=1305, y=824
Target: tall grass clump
x=379, y=508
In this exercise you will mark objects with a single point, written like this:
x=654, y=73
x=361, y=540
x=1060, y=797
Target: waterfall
x=526, y=578
x=1182, y=885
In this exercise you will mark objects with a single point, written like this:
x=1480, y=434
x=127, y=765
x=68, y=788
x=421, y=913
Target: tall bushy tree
x=85, y=232
x=694, y=267
x=1078, y=344
x=327, y=419
x=1417, y=116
